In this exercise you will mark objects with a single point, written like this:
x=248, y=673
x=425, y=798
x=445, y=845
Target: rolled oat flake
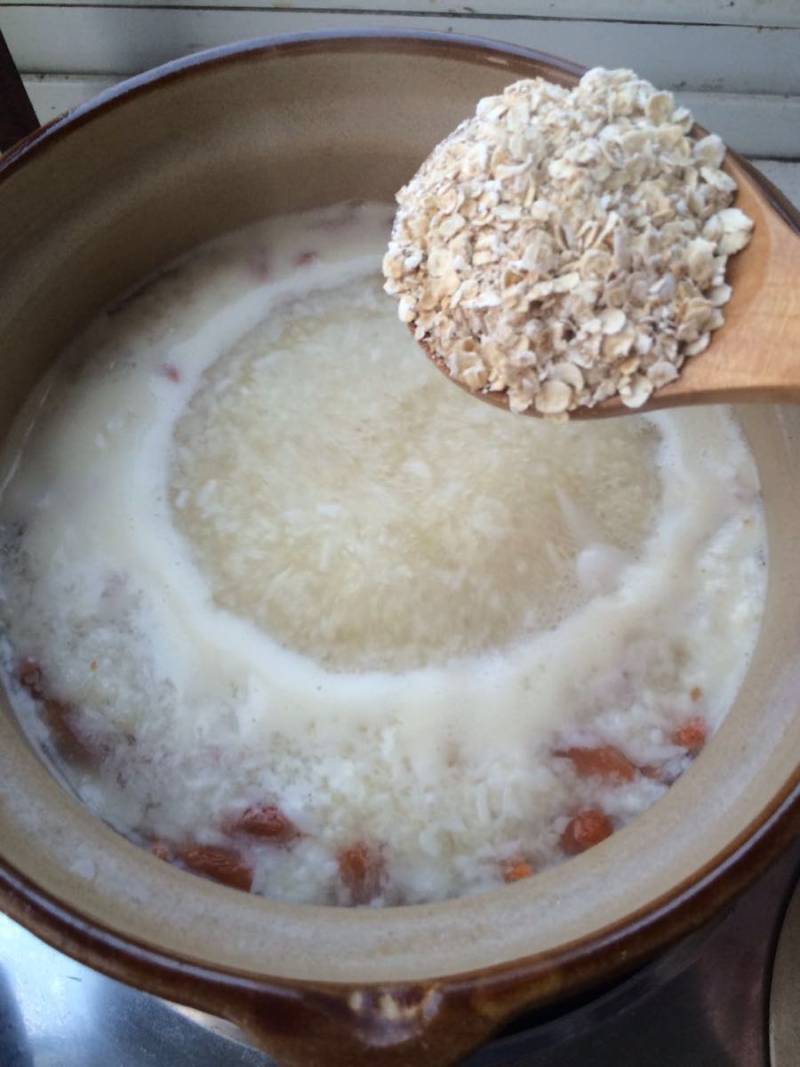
x=566, y=245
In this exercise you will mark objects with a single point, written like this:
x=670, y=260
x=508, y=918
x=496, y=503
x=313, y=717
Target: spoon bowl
x=754, y=357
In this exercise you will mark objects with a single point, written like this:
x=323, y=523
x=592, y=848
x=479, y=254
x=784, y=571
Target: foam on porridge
x=258, y=556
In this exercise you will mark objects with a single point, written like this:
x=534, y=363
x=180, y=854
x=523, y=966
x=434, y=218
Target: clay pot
x=97, y=200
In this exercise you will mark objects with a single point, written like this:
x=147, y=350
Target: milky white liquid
x=247, y=525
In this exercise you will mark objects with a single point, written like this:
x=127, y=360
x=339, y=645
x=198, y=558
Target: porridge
x=284, y=606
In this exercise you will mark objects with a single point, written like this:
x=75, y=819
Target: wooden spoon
x=755, y=355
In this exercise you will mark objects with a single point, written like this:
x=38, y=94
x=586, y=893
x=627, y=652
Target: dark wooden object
x=17, y=117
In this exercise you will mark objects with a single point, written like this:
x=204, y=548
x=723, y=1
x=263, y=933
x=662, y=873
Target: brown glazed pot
x=101, y=198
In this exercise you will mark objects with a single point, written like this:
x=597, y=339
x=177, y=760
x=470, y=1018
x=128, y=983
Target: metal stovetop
x=715, y=1013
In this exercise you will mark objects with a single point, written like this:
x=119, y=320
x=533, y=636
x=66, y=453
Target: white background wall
x=736, y=63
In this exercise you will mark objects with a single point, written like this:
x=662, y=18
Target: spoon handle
x=762, y=349
x=755, y=355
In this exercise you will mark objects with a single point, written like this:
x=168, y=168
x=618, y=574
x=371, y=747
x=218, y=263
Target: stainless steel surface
x=713, y=1013
x=57, y=1013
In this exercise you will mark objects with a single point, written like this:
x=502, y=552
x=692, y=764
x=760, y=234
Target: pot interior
x=172, y=164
